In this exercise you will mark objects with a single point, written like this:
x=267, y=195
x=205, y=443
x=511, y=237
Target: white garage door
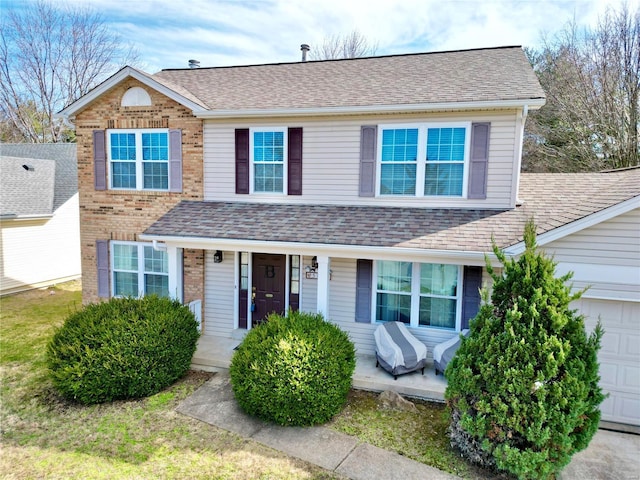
x=619, y=356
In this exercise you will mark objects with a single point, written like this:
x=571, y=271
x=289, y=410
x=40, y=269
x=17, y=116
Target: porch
x=214, y=352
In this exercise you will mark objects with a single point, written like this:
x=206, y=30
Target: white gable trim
x=581, y=224
x=114, y=80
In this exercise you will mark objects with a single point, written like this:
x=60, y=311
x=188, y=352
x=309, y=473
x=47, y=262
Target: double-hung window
x=139, y=269
x=138, y=159
x=268, y=153
x=424, y=159
x=418, y=294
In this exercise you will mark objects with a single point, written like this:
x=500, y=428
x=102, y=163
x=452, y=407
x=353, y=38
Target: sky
x=167, y=33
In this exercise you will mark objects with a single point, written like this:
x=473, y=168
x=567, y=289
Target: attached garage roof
x=553, y=200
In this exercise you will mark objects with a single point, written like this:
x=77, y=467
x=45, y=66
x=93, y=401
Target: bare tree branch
x=50, y=55
x=350, y=45
x=592, y=79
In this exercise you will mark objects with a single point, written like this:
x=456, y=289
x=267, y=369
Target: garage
x=619, y=356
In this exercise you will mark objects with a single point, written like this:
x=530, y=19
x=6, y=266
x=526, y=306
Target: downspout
x=522, y=118
x=158, y=247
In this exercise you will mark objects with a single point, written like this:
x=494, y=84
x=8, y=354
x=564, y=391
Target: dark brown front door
x=269, y=285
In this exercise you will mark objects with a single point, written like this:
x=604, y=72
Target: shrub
x=523, y=387
x=123, y=348
x=293, y=370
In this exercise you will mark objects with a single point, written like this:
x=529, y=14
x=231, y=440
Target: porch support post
x=322, y=305
x=174, y=256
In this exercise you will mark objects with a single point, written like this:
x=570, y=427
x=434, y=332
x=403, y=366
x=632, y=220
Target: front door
x=269, y=274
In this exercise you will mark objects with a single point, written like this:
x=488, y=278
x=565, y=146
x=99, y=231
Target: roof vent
x=305, y=49
x=194, y=63
x=28, y=168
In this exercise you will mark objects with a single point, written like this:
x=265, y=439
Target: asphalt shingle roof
x=66, y=166
x=490, y=74
x=26, y=192
x=553, y=200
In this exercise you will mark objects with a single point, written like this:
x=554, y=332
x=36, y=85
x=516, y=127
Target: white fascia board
x=24, y=218
x=531, y=104
x=343, y=251
x=577, y=225
x=115, y=79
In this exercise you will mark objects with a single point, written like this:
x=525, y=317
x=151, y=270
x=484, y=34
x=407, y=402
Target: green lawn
x=45, y=436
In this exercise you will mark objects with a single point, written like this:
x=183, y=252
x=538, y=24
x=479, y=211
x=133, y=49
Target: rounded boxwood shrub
x=123, y=348
x=523, y=387
x=293, y=370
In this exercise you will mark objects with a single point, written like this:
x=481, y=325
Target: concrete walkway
x=610, y=455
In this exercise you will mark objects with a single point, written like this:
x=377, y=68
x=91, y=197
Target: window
x=424, y=159
x=139, y=159
x=438, y=295
x=418, y=294
x=268, y=150
x=138, y=269
x=399, y=161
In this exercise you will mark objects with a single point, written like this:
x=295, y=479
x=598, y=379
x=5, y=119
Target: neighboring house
x=366, y=189
x=39, y=216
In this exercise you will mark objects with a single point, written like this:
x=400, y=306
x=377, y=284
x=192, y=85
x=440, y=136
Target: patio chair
x=397, y=350
x=444, y=352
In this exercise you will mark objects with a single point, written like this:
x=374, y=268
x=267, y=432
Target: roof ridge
x=462, y=50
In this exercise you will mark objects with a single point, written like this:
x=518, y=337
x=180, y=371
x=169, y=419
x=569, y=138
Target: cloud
x=168, y=33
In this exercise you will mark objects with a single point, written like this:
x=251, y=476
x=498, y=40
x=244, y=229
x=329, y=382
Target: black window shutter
x=99, y=160
x=294, y=169
x=175, y=160
x=102, y=263
x=479, y=163
x=242, y=160
x=471, y=285
x=368, y=138
x=364, y=274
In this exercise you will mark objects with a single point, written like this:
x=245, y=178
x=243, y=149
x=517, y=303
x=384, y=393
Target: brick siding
x=119, y=215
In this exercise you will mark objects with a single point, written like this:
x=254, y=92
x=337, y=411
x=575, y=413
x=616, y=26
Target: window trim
x=285, y=159
x=138, y=132
x=141, y=267
x=416, y=295
x=421, y=165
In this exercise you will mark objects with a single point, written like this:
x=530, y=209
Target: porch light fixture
x=217, y=257
x=314, y=263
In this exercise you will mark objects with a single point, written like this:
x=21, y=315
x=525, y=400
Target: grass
x=44, y=436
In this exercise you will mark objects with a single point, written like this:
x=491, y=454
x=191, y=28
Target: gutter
x=12, y=217
x=370, y=109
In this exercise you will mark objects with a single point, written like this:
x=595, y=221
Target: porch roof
x=553, y=200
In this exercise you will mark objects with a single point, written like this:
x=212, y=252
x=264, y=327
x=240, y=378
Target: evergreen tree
x=523, y=387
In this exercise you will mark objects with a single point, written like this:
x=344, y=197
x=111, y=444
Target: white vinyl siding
x=331, y=160
x=604, y=257
x=37, y=253
x=219, y=287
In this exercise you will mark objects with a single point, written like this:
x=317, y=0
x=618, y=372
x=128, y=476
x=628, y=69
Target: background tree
x=523, y=386
x=592, y=80
x=50, y=55
x=350, y=45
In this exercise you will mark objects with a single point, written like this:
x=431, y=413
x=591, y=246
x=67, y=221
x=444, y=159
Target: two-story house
x=366, y=189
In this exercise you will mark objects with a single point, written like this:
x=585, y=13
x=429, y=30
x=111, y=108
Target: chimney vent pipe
x=194, y=64
x=305, y=49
